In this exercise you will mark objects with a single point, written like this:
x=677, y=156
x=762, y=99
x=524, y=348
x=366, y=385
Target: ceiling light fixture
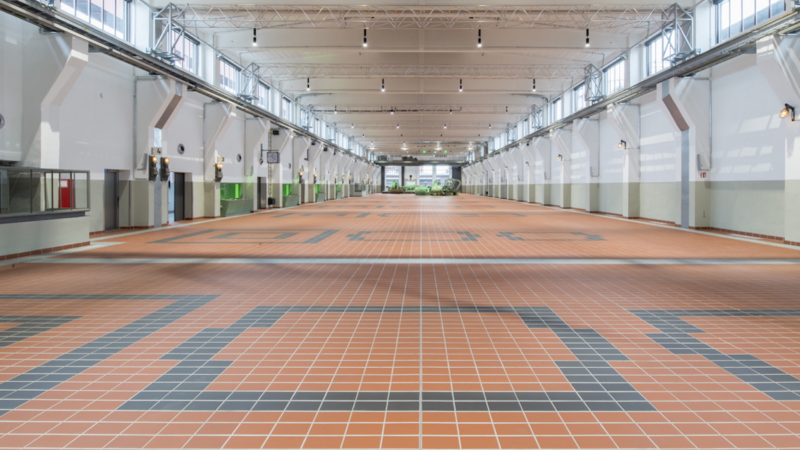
x=383, y=85
x=365, y=37
x=335, y=109
x=480, y=42
x=787, y=111
x=534, y=85
x=445, y=126
x=490, y=126
x=255, y=38
x=308, y=84
x=398, y=126
x=460, y=85
x=352, y=125
x=587, y=37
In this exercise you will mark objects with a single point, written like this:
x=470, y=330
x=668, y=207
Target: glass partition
x=35, y=191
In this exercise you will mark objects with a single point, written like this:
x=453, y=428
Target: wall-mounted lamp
x=526, y=164
x=308, y=84
x=218, y=172
x=623, y=145
x=152, y=164
x=560, y=157
x=164, y=168
x=787, y=111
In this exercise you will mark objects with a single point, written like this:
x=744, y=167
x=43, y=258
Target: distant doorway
x=176, y=198
x=111, y=200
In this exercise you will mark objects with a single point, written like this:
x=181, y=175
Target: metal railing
x=26, y=191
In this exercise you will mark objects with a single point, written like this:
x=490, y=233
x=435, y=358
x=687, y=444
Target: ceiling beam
x=426, y=109
x=226, y=16
x=469, y=71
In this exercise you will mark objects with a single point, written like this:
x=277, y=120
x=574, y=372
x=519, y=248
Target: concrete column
x=256, y=135
x=587, y=138
x=300, y=147
x=280, y=143
x=486, y=178
x=779, y=61
x=332, y=174
x=527, y=158
x=157, y=103
x=562, y=140
x=72, y=55
x=507, y=172
x=625, y=119
x=218, y=119
x=520, y=176
x=542, y=147
x=687, y=102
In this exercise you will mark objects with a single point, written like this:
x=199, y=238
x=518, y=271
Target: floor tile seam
x=216, y=219
x=427, y=261
x=655, y=224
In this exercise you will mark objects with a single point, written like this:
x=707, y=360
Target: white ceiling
x=417, y=48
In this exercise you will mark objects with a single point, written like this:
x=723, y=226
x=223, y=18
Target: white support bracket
x=779, y=60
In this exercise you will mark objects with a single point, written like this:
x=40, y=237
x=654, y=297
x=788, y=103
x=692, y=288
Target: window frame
x=222, y=63
x=617, y=63
x=71, y=8
x=579, y=97
x=195, y=43
x=722, y=8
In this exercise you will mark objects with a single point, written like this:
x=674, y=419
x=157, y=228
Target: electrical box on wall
x=220, y=159
x=156, y=151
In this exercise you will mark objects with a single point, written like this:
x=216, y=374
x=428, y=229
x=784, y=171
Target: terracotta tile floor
x=697, y=351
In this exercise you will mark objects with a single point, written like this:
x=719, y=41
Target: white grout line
x=479, y=261
x=36, y=258
x=181, y=225
x=653, y=224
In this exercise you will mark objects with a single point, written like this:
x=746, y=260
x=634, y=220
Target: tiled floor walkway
x=404, y=322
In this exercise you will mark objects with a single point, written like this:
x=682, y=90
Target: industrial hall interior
x=408, y=224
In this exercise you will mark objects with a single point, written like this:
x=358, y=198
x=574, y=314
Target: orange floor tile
x=404, y=322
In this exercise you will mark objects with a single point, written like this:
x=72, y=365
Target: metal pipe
x=690, y=66
x=41, y=15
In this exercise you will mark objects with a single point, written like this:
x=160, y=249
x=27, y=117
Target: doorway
x=111, y=200
x=176, y=199
x=262, y=193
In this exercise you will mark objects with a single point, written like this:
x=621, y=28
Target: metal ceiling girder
x=44, y=16
x=425, y=109
x=616, y=17
x=787, y=22
x=498, y=71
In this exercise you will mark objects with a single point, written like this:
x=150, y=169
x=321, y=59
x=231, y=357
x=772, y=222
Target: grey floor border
x=422, y=261
x=653, y=224
x=189, y=224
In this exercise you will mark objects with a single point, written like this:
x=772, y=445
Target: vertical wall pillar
x=218, y=119
x=76, y=55
x=779, y=61
x=562, y=139
x=542, y=147
x=281, y=143
x=157, y=103
x=256, y=136
x=300, y=148
x=687, y=102
x=626, y=119
x=587, y=132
